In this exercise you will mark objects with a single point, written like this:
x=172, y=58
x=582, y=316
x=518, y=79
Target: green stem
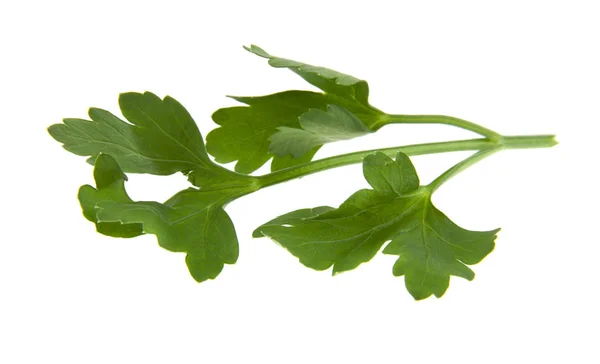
x=461, y=166
x=507, y=142
x=527, y=141
x=438, y=119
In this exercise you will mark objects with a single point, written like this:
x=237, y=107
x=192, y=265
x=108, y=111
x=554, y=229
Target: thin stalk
x=528, y=141
x=508, y=142
x=438, y=119
x=461, y=166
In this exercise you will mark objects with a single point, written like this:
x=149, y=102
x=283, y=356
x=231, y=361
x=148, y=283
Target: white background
x=70, y=295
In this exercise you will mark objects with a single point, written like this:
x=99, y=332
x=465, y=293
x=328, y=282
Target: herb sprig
x=160, y=137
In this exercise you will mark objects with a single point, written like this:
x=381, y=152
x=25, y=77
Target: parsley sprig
x=158, y=136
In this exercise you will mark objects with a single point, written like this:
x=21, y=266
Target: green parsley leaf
x=318, y=127
x=192, y=221
x=330, y=81
x=160, y=138
x=430, y=246
x=110, y=184
x=245, y=132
